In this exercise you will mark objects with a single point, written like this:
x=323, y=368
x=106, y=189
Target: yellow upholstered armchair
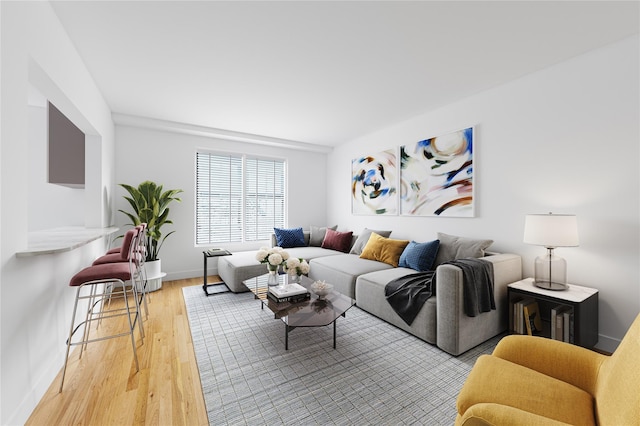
x=537, y=381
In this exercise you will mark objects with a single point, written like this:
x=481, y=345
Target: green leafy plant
x=150, y=206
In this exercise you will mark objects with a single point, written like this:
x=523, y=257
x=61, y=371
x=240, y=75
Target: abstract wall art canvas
x=374, y=184
x=436, y=176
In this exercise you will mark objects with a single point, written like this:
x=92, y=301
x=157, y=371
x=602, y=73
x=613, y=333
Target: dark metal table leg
x=287, y=329
x=204, y=286
x=334, y=333
x=286, y=337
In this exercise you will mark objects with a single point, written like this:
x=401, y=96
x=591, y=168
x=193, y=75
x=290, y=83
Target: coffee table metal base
x=289, y=328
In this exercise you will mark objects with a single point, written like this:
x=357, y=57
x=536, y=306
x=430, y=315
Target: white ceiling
x=323, y=72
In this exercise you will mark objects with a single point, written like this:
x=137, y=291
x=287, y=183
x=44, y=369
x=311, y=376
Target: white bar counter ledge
x=58, y=240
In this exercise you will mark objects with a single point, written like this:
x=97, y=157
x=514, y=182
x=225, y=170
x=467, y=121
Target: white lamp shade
x=551, y=230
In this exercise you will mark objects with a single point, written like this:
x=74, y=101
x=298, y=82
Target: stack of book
x=526, y=317
x=291, y=293
x=562, y=323
x=212, y=252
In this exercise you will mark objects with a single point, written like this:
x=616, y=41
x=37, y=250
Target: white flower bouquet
x=296, y=266
x=273, y=257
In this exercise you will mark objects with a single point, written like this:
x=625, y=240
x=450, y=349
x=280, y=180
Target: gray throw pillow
x=363, y=238
x=453, y=247
x=317, y=234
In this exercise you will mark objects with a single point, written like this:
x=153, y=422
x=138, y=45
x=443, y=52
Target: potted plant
x=151, y=206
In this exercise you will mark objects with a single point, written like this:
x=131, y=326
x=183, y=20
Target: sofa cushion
x=419, y=256
x=318, y=233
x=310, y=252
x=342, y=270
x=453, y=247
x=383, y=249
x=293, y=237
x=340, y=241
x=370, y=296
x=363, y=238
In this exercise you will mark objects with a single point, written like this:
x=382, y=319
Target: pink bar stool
x=132, y=250
x=95, y=285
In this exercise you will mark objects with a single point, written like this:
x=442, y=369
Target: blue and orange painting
x=373, y=184
x=436, y=176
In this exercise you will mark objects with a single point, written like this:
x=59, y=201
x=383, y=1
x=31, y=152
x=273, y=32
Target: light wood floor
x=103, y=388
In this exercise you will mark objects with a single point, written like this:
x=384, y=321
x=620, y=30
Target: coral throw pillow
x=383, y=249
x=340, y=241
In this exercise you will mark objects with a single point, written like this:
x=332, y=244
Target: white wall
x=35, y=300
x=168, y=158
x=565, y=139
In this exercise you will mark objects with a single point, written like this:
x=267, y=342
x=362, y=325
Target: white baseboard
x=21, y=414
x=181, y=275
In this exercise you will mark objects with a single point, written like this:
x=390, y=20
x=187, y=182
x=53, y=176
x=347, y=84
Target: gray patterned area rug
x=378, y=374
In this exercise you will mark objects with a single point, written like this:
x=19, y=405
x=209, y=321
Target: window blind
x=238, y=198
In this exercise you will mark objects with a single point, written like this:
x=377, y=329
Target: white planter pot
x=154, y=275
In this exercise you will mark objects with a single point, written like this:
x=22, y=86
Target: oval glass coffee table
x=313, y=312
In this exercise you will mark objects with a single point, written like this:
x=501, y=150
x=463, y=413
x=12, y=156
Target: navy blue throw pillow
x=419, y=256
x=287, y=238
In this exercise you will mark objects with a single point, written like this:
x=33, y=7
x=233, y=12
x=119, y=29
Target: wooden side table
x=581, y=303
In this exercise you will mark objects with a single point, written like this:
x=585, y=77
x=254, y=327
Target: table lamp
x=551, y=231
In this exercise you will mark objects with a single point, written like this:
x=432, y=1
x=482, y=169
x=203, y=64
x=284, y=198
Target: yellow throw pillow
x=383, y=249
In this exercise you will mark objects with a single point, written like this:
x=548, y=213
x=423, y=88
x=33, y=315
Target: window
x=238, y=198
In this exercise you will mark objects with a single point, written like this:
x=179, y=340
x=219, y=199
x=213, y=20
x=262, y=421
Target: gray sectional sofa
x=441, y=320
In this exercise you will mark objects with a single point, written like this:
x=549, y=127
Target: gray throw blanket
x=477, y=286
x=407, y=294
